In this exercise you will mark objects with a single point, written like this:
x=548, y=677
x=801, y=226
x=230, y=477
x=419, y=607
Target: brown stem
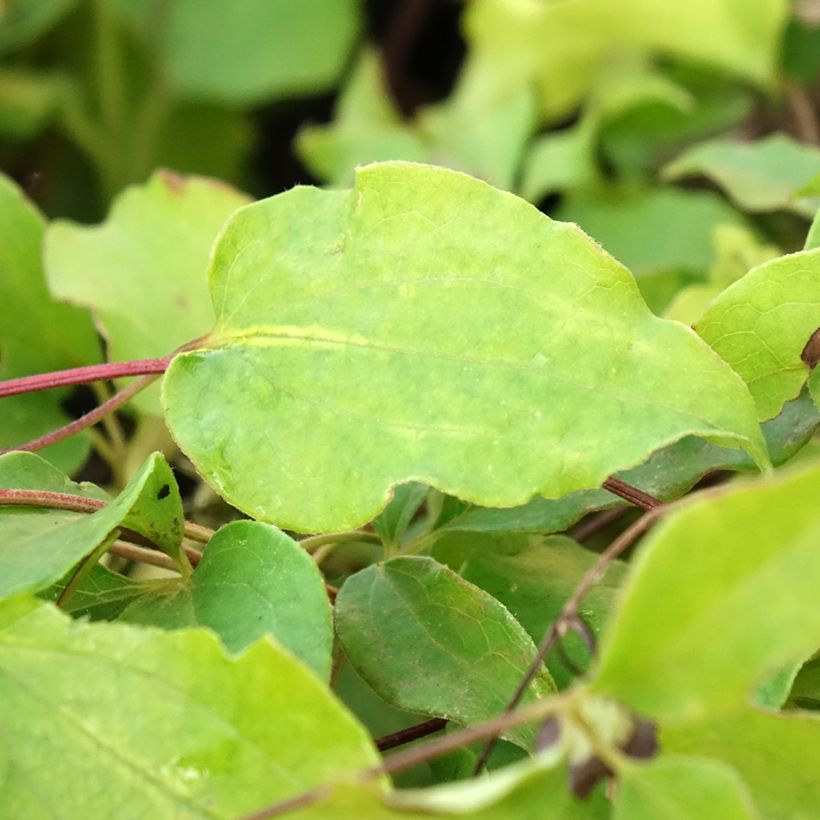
x=568, y=618
x=410, y=734
x=90, y=418
x=82, y=375
x=631, y=494
x=132, y=552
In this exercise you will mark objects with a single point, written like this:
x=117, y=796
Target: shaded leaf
x=39, y=546
x=760, y=326
x=27, y=102
x=194, y=741
x=272, y=407
x=253, y=580
x=757, y=176
x=100, y=596
x=392, y=522
x=143, y=271
x=679, y=788
x=692, y=635
x=429, y=642
x=22, y=21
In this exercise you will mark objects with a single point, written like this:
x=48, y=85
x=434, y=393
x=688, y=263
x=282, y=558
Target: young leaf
x=723, y=593
x=429, y=642
x=253, y=580
x=535, y=584
x=775, y=754
x=203, y=734
x=37, y=333
x=680, y=788
x=143, y=271
x=762, y=323
x=757, y=176
x=427, y=326
x=38, y=546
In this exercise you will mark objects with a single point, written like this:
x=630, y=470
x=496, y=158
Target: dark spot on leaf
x=811, y=352
x=584, y=776
x=643, y=742
x=164, y=492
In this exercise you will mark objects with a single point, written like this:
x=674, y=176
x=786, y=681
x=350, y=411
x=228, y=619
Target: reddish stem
x=82, y=375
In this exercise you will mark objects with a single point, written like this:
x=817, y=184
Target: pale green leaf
x=37, y=333
x=757, y=176
x=680, y=788
x=143, y=271
x=775, y=754
x=38, y=546
x=253, y=580
x=429, y=642
x=722, y=594
x=565, y=47
x=426, y=326
x=535, y=583
x=166, y=722
x=761, y=324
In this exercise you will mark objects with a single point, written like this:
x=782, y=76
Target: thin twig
x=90, y=418
x=593, y=524
x=313, y=542
x=82, y=375
x=632, y=494
x=410, y=734
x=132, y=552
x=568, y=618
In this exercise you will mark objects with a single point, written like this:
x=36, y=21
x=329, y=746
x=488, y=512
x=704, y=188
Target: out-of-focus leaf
x=757, y=176
x=315, y=367
x=205, y=735
x=805, y=692
x=144, y=270
x=427, y=641
x=693, y=637
x=27, y=102
x=253, y=580
x=761, y=325
x=22, y=21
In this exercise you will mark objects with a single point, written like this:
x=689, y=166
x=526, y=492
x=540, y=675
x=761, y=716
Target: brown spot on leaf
x=811, y=352
x=173, y=182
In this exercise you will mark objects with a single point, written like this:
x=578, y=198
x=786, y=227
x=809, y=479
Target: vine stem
x=82, y=375
x=568, y=619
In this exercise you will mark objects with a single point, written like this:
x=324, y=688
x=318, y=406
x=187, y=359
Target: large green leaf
x=429, y=642
x=536, y=582
x=722, y=594
x=253, y=580
x=775, y=754
x=762, y=323
x=37, y=333
x=38, y=546
x=143, y=271
x=680, y=788
x=565, y=47
x=203, y=735
x=757, y=176
x=428, y=326
x=248, y=51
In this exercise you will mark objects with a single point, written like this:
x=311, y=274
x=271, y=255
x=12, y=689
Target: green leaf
x=39, y=546
x=253, y=580
x=722, y=594
x=203, y=735
x=680, y=788
x=37, y=333
x=143, y=271
x=813, y=236
x=536, y=582
x=427, y=641
x=761, y=324
x=775, y=754
x=757, y=176
x=566, y=47
x=805, y=692
x=22, y=21
x=814, y=386
x=265, y=49
x=393, y=521
x=100, y=596
x=352, y=353
x=27, y=102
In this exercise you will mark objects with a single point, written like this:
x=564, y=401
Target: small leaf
x=775, y=754
x=680, y=788
x=143, y=271
x=757, y=176
x=762, y=323
x=39, y=546
x=429, y=642
x=692, y=634
x=204, y=735
x=352, y=329
x=392, y=522
x=253, y=580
